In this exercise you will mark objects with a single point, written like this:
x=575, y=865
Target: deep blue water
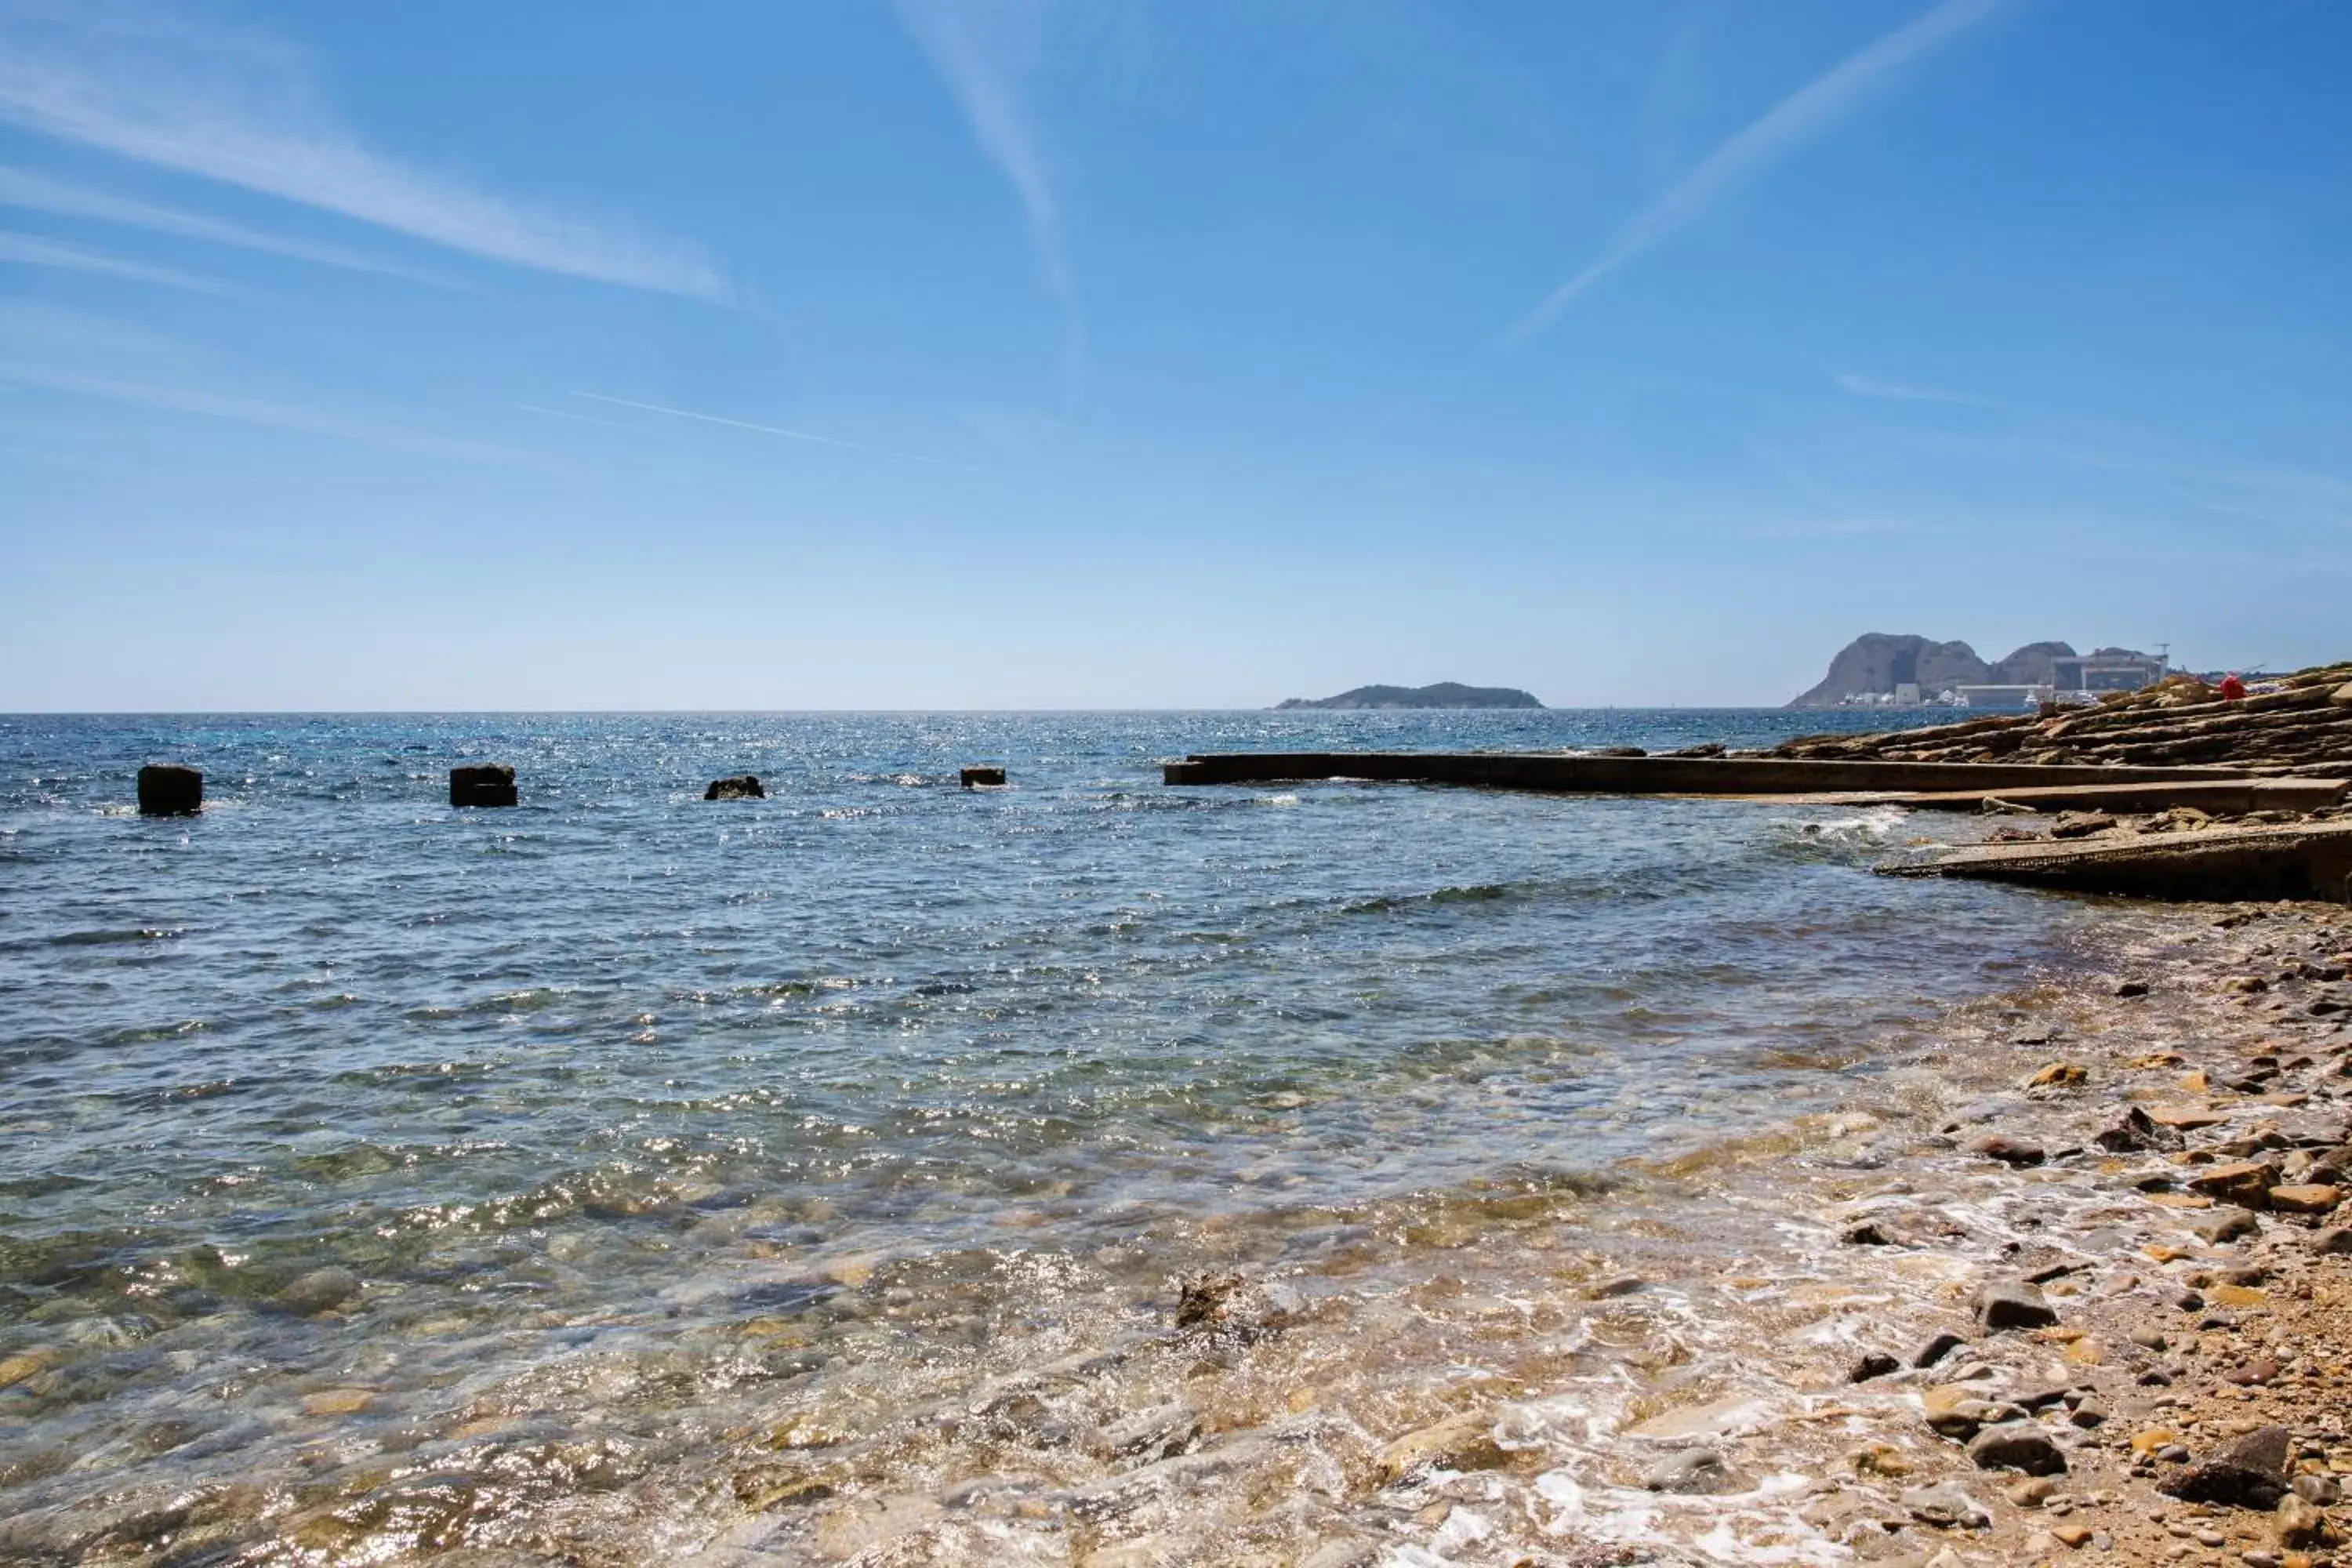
x=333, y=1022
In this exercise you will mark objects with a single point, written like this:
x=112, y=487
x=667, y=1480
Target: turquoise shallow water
x=620, y=1067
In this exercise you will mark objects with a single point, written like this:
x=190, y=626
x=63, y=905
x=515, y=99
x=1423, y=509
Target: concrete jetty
x=1668, y=776
x=485, y=785
x=2307, y=861
x=167, y=789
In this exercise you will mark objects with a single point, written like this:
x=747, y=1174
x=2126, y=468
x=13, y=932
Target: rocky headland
x=1878, y=663
x=1444, y=694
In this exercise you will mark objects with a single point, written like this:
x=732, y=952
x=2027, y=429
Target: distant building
x=2001, y=697
x=1906, y=694
x=2107, y=669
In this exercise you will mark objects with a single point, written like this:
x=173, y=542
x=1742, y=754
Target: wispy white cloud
x=1908, y=392
x=28, y=250
x=788, y=434
x=244, y=410
x=38, y=192
x=236, y=107
x=1790, y=125
x=986, y=51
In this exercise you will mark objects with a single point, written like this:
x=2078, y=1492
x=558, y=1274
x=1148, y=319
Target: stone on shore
x=2246, y=1183
x=2014, y=1304
x=2080, y=824
x=2059, y=1075
x=2018, y=1446
x=484, y=784
x=167, y=789
x=2249, y=1473
x=2306, y=1198
x=1946, y=1506
x=2008, y=1150
x=742, y=787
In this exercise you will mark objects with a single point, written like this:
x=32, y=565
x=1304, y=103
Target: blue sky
x=1118, y=353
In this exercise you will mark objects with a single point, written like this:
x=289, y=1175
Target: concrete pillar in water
x=488, y=785
x=974, y=777
x=167, y=789
x=743, y=786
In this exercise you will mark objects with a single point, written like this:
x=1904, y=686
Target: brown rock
x=2246, y=1183
x=2059, y=1075
x=2311, y=1198
x=1463, y=1442
x=2080, y=824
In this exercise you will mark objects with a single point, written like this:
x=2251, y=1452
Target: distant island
x=1906, y=670
x=1444, y=694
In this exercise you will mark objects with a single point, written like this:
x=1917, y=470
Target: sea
x=627, y=1178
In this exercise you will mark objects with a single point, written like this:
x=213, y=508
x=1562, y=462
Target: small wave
x=105, y=937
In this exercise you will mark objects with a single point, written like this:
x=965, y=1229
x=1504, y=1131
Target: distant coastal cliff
x=1883, y=667
x=1444, y=694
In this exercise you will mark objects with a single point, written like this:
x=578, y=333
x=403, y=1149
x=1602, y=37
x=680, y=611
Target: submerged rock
x=1463, y=1442
x=1695, y=1470
x=742, y=787
x=320, y=1290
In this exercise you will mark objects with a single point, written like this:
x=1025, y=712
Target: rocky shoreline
x=2097, y=1312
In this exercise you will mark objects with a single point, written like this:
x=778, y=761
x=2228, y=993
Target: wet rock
x=2080, y=824
x=2246, y=1183
x=2014, y=1304
x=1881, y=1459
x=1947, y=1507
x=2018, y=1446
x=2230, y=1225
x=1159, y=1433
x=2033, y=1492
x=1936, y=1349
x=1201, y=1300
x=1693, y=1470
x=2088, y=1412
x=2008, y=1150
x=2137, y=1131
x=2321, y=1491
x=488, y=785
x=320, y=1290
x=742, y=787
x=167, y=789
x=1623, y=1285
x=2306, y=1198
x=2059, y=1075
x=1866, y=1234
x=1463, y=1442
x=2131, y=988
x=2249, y=1473
x=1957, y=1411
x=1876, y=1364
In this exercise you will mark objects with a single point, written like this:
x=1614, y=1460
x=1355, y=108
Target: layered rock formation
x=2303, y=727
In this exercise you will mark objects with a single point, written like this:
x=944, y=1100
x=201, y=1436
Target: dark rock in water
x=2249, y=1473
x=2135, y=1132
x=2008, y=1150
x=1936, y=1349
x=2014, y=1304
x=167, y=789
x=1877, y=1364
x=2130, y=988
x=742, y=787
x=1201, y=1300
x=488, y=785
x=2018, y=1446
x=1693, y=1470
x=320, y=1290
x=1866, y=1234
x=974, y=778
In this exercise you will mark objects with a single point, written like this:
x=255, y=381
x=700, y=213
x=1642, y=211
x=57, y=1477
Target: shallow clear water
x=603, y=1080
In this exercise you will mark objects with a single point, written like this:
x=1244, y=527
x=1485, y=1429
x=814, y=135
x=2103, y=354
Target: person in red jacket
x=2233, y=688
